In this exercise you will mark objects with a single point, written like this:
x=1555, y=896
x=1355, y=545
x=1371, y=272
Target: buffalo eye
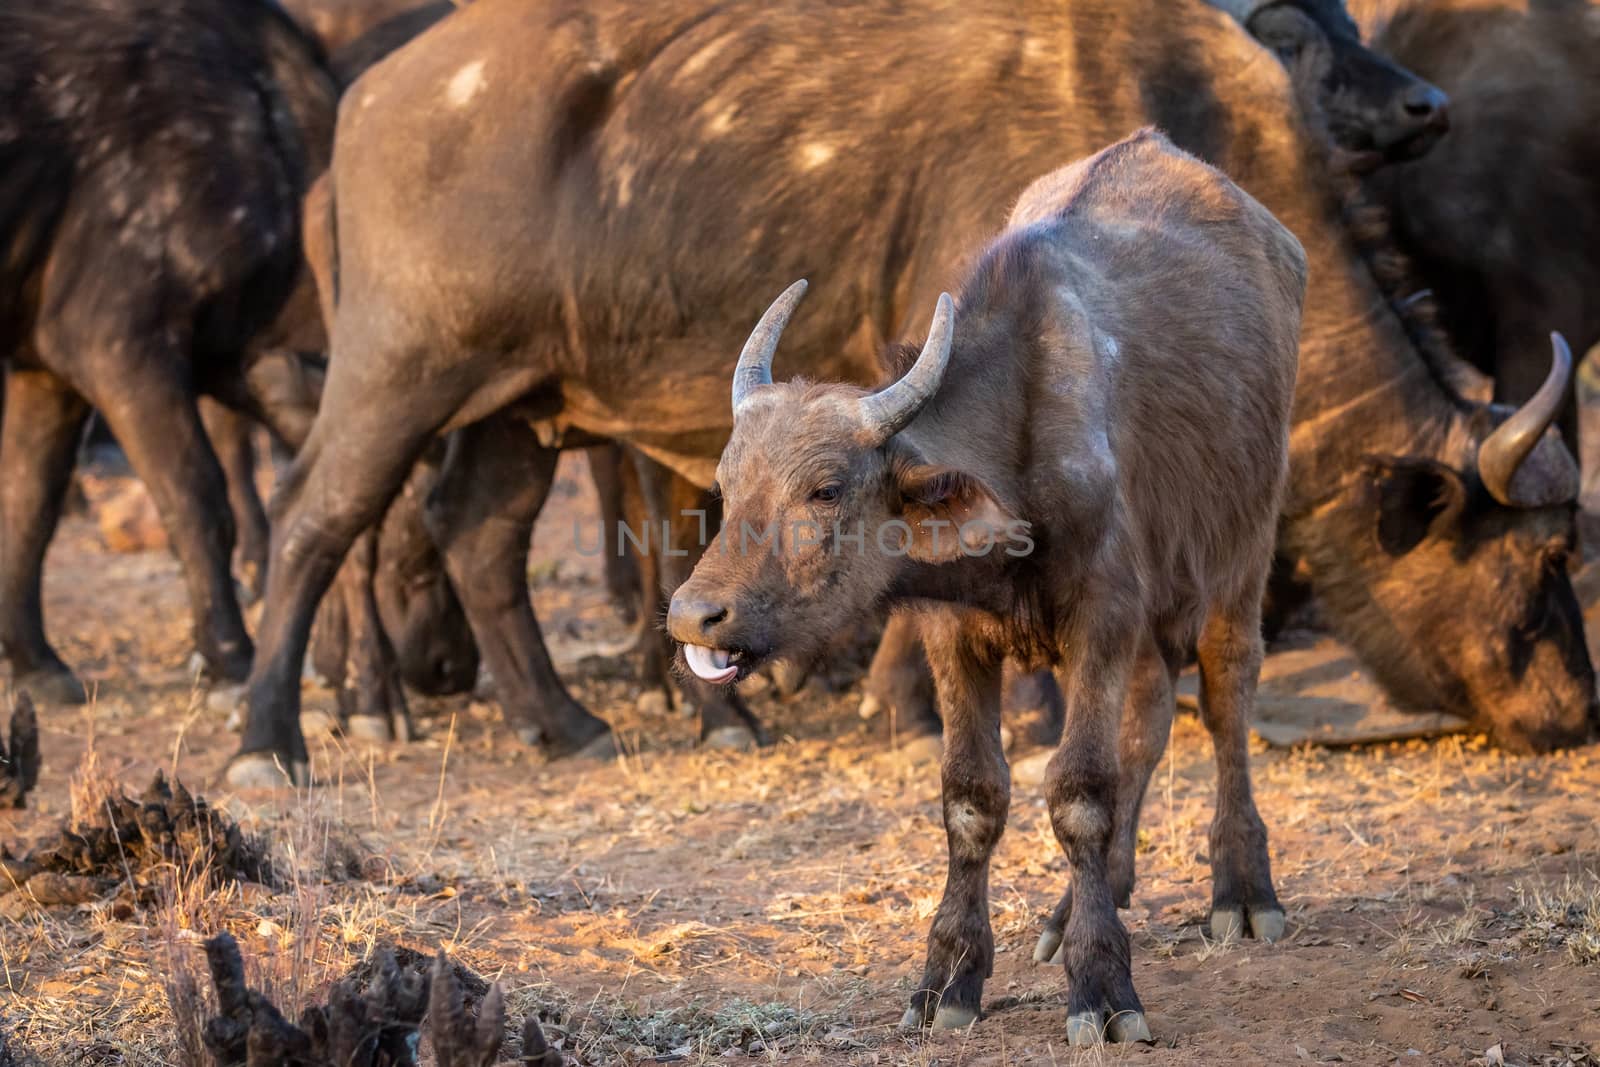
x=826, y=494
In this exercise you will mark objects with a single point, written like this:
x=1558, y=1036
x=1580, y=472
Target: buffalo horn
x=755, y=361
x=889, y=410
x=1503, y=451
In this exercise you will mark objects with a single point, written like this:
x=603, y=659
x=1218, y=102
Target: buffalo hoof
x=953, y=1017
x=925, y=749
x=1264, y=924
x=602, y=748
x=870, y=706
x=531, y=736
x=1090, y=1028
x=373, y=728
x=261, y=770
x=57, y=686
x=1046, y=951
x=730, y=739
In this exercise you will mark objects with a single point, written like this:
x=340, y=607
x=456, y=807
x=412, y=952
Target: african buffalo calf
x=1082, y=467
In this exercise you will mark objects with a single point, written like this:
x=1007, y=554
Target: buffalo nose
x=1427, y=105
x=692, y=620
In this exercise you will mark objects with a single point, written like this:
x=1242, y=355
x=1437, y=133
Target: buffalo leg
x=1146, y=726
x=38, y=444
x=976, y=787
x=621, y=567
x=1082, y=785
x=1242, y=897
x=157, y=421
x=354, y=461
x=372, y=698
x=898, y=680
x=481, y=514
x=230, y=436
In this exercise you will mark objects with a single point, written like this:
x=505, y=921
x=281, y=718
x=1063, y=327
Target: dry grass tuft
x=1567, y=915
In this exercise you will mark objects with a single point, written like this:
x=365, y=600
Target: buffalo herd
x=1253, y=301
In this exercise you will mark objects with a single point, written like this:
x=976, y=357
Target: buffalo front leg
x=230, y=437
x=481, y=513
x=1146, y=726
x=1082, y=785
x=38, y=443
x=1242, y=897
x=354, y=461
x=976, y=787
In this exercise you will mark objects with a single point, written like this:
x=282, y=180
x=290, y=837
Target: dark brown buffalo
x=152, y=161
x=1138, y=288
x=1502, y=222
x=672, y=164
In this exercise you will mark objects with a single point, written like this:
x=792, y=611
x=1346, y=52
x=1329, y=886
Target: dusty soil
x=685, y=906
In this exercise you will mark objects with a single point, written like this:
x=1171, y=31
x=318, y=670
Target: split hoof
x=1085, y=1028
x=1046, y=951
x=730, y=739
x=924, y=749
x=1265, y=925
x=911, y=1021
x=373, y=728
x=1128, y=1026
x=953, y=1017
x=52, y=687
x=601, y=749
x=260, y=770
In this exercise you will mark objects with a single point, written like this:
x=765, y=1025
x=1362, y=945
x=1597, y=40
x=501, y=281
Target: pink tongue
x=709, y=664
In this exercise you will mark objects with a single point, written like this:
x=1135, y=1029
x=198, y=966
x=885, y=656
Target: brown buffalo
x=1082, y=467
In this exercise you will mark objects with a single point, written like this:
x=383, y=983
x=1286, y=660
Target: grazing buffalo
x=673, y=163
x=1083, y=467
x=1502, y=221
x=152, y=161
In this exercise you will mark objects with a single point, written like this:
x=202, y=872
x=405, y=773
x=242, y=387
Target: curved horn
x=1503, y=451
x=755, y=361
x=889, y=410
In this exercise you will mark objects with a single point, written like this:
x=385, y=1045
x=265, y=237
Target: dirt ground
x=687, y=906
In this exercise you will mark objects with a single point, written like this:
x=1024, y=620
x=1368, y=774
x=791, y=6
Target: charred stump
x=375, y=1023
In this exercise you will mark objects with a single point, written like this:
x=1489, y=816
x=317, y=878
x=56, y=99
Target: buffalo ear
x=951, y=514
x=1414, y=497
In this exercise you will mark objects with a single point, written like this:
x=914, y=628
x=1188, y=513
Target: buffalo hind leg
x=230, y=433
x=495, y=478
x=38, y=446
x=1242, y=897
x=1146, y=725
x=1081, y=788
x=372, y=699
x=156, y=417
x=976, y=795
x=900, y=683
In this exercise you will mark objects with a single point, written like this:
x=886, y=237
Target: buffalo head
x=1465, y=581
x=822, y=506
x=1375, y=111
x=419, y=609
